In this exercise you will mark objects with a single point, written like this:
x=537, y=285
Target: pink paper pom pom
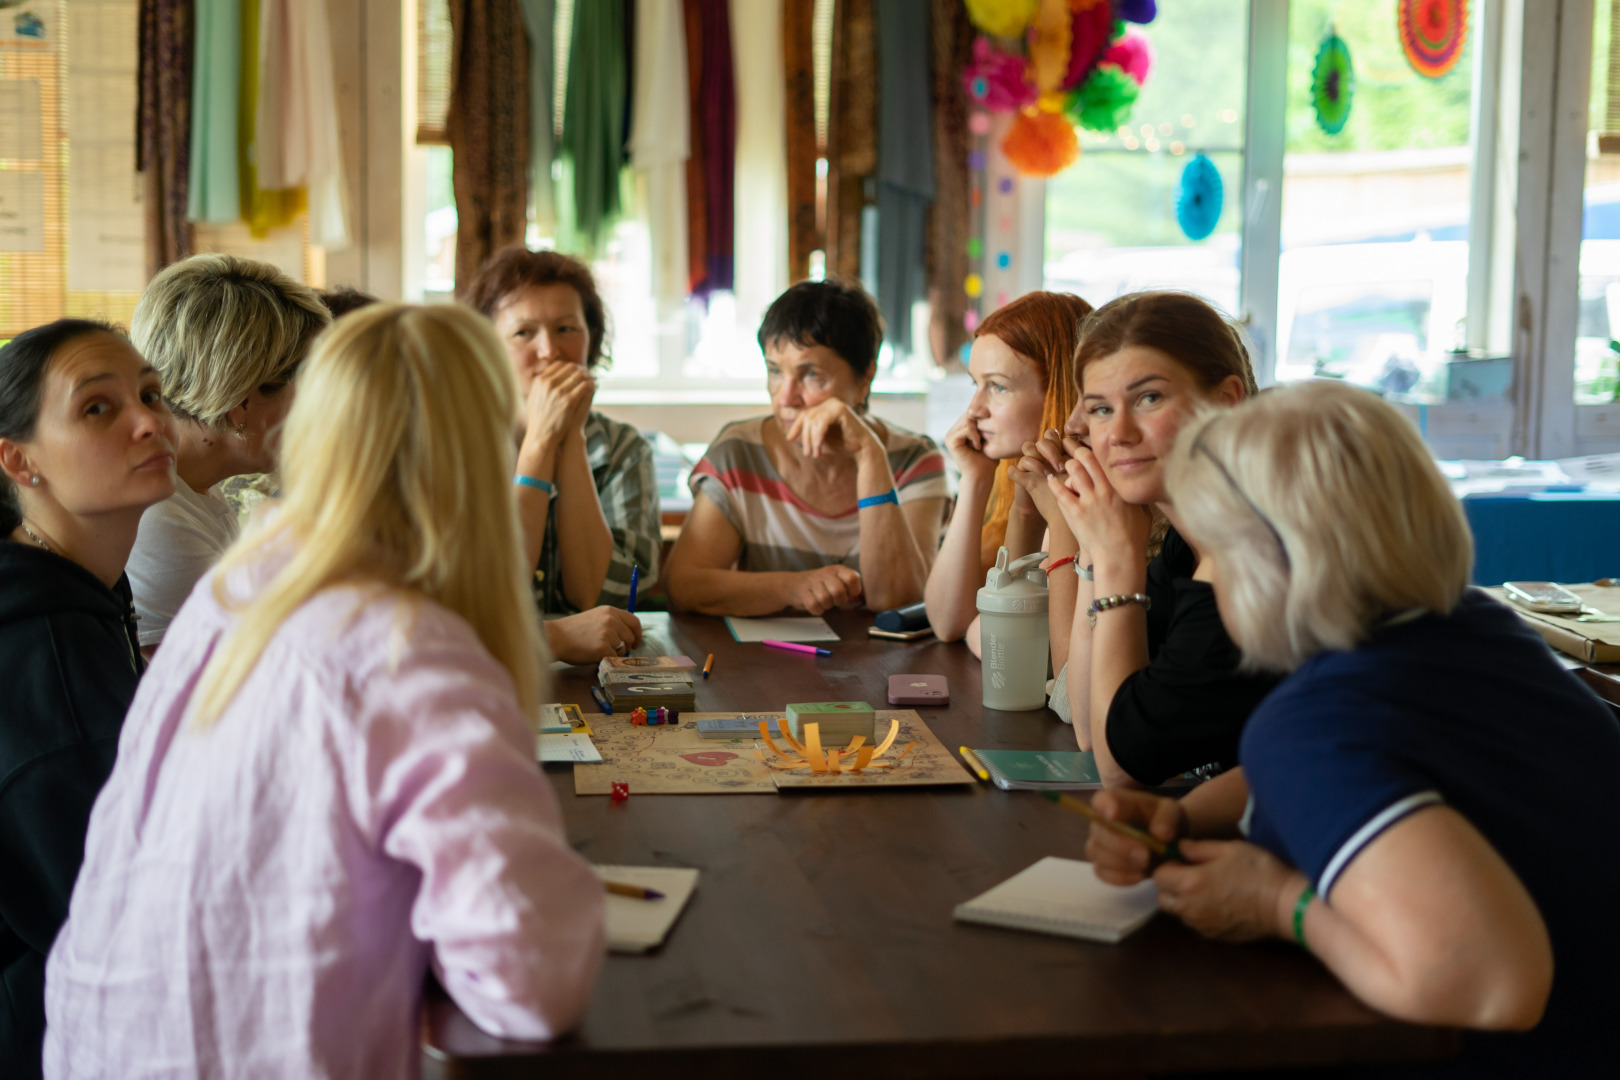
x=996, y=79
x=1134, y=56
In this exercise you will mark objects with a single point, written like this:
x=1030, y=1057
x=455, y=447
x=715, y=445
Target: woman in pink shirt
x=327, y=780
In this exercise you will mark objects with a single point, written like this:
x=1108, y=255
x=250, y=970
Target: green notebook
x=1041, y=770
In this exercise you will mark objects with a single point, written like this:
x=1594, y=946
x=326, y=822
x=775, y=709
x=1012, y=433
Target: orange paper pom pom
x=1041, y=145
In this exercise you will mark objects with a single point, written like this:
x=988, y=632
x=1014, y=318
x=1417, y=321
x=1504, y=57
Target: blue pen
x=601, y=701
x=635, y=582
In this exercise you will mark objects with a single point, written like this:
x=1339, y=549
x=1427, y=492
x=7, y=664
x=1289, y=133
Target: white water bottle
x=1013, y=633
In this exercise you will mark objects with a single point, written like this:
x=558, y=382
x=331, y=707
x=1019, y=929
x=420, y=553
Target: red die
x=621, y=790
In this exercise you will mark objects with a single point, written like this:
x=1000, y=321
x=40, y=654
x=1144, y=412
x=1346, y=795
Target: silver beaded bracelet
x=1108, y=603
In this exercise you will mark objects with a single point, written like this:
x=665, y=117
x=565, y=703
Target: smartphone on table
x=1546, y=597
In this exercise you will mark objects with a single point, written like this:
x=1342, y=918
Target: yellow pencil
x=972, y=760
x=618, y=888
x=1142, y=836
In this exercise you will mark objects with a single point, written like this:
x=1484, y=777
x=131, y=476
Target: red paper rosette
x=1432, y=34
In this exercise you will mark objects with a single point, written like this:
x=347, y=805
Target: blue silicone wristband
x=878, y=500
x=535, y=482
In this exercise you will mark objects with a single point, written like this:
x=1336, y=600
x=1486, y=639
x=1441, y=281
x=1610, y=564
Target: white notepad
x=634, y=926
x=575, y=746
x=785, y=628
x=1064, y=896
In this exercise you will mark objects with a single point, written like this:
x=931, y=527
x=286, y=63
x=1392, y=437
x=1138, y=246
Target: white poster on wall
x=106, y=225
x=22, y=134
x=27, y=25
x=22, y=211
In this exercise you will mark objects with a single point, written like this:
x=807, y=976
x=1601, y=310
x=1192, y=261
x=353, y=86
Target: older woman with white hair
x=1422, y=799
x=226, y=335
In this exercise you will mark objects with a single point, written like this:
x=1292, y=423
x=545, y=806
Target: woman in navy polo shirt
x=1424, y=797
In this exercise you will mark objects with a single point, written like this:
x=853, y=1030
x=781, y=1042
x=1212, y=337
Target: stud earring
x=34, y=480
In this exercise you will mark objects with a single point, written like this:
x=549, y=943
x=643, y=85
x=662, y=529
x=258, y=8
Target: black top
x=1187, y=708
x=71, y=661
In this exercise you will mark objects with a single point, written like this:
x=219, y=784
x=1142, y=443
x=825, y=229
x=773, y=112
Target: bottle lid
x=1016, y=589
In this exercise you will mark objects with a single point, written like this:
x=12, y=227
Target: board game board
x=673, y=760
x=929, y=763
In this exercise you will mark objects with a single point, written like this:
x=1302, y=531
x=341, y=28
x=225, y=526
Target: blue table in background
x=1544, y=536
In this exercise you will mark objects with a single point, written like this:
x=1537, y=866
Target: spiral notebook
x=1064, y=897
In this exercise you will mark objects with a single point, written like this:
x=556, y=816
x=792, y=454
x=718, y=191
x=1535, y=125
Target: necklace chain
x=36, y=538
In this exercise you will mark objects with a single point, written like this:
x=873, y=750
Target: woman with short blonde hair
x=1419, y=799
x=226, y=335
x=327, y=781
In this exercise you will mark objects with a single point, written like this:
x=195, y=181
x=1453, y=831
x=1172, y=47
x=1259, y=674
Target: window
x=1110, y=218
x=1597, y=377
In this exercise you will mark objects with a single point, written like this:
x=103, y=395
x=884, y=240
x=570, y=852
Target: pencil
x=619, y=888
x=635, y=583
x=972, y=760
x=601, y=701
x=1141, y=836
x=708, y=665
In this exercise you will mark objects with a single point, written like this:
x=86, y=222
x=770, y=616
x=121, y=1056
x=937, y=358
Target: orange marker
x=708, y=665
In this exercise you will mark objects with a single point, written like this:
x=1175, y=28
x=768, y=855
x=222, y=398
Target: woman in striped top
x=818, y=505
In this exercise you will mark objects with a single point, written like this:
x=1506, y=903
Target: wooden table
x=820, y=939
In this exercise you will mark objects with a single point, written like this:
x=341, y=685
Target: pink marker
x=795, y=647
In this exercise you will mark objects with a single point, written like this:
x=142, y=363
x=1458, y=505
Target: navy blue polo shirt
x=1473, y=711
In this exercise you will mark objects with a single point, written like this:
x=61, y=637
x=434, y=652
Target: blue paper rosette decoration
x=1198, y=203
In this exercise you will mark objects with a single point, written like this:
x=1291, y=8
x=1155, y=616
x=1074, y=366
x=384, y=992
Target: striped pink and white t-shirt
x=780, y=530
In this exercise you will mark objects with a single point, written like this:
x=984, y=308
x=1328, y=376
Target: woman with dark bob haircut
x=586, y=490
x=820, y=504
x=86, y=445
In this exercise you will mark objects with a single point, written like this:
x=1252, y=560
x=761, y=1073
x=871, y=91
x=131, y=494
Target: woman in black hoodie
x=86, y=445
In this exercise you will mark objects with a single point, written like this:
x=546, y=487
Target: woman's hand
x=1228, y=889
x=1119, y=859
x=559, y=400
x=1106, y=525
x=1041, y=460
x=587, y=637
x=825, y=588
x=832, y=427
x=966, y=447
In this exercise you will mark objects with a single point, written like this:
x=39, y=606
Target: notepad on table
x=635, y=926
x=785, y=628
x=575, y=747
x=1064, y=897
x=1041, y=770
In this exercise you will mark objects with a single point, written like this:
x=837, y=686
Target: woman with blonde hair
x=226, y=335
x=1022, y=366
x=1422, y=799
x=327, y=780
x=1151, y=681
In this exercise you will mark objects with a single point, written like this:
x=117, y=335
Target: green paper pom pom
x=1103, y=102
x=1333, y=84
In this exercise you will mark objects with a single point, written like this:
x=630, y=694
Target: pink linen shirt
x=264, y=897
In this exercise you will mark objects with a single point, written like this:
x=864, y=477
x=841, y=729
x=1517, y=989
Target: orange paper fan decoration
x=1041, y=145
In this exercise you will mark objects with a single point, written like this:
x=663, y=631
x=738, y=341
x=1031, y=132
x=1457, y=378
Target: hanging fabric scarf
x=539, y=20
x=262, y=209
x=851, y=133
x=905, y=161
x=297, y=121
x=711, y=170
x=799, y=83
x=489, y=130
x=593, y=118
x=163, y=128
x=660, y=141
x=761, y=193
x=946, y=257
x=215, y=193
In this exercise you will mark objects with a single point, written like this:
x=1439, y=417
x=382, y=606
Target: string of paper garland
x=1433, y=33
x=1057, y=64
x=1333, y=83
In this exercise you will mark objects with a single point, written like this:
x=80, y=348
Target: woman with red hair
x=1022, y=365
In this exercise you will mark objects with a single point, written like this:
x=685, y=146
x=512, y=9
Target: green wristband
x=1300, y=905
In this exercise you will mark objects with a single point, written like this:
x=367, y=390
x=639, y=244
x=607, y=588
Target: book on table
x=1041, y=770
x=1064, y=897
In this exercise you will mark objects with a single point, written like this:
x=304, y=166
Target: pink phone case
x=919, y=690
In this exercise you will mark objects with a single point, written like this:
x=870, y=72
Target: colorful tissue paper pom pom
x=1198, y=204
x=996, y=80
x=1041, y=145
x=1133, y=55
x=1333, y=84
x=1049, y=45
x=1089, y=35
x=1003, y=18
x=1137, y=11
x=1432, y=34
x=1104, y=101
